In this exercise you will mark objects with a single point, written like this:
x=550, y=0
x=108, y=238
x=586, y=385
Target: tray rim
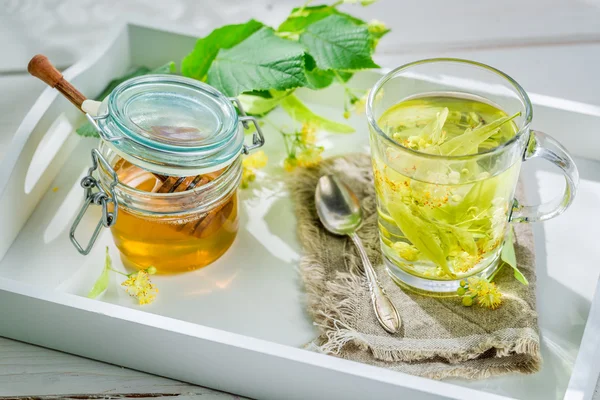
x=14, y=289
x=175, y=326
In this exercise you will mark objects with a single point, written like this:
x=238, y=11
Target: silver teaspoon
x=339, y=211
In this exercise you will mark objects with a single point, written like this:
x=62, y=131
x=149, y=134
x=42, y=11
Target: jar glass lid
x=171, y=125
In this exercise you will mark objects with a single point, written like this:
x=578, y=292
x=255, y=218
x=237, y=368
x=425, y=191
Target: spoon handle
x=385, y=311
x=42, y=68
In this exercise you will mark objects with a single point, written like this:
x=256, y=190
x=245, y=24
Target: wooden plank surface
x=27, y=370
x=550, y=47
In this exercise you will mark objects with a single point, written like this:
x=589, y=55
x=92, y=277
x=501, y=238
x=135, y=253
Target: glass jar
x=167, y=172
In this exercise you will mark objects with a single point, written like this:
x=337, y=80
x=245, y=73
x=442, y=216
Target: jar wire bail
x=258, y=138
x=99, y=197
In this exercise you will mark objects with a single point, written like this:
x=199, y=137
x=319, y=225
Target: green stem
x=278, y=129
x=119, y=272
x=268, y=121
x=476, y=217
x=347, y=88
x=305, y=5
x=491, y=277
x=339, y=78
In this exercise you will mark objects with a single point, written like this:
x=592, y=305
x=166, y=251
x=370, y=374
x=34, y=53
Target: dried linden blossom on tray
x=137, y=284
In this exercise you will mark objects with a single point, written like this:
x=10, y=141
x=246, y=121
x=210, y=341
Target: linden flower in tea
x=442, y=218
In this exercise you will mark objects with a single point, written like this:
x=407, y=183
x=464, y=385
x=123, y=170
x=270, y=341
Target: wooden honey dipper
x=42, y=68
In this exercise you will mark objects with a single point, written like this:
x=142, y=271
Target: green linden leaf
x=300, y=18
x=317, y=78
x=433, y=130
x=363, y=3
x=378, y=33
x=425, y=236
x=87, y=129
x=102, y=281
x=508, y=256
x=320, y=79
x=299, y=112
x=468, y=142
x=261, y=93
x=139, y=71
x=197, y=63
x=264, y=61
x=463, y=236
x=260, y=105
x=168, y=68
x=344, y=75
x=336, y=42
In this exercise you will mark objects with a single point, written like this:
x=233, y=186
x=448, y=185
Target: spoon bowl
x=338, y=208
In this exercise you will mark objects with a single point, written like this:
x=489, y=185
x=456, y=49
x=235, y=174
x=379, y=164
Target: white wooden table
x=551, y=47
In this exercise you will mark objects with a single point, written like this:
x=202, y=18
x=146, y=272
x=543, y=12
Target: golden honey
x=172, y=243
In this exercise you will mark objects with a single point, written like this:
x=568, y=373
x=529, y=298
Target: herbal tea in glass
x=448, y=138
x=443, y=220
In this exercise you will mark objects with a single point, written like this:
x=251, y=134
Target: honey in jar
x=169, y=167
x=177, y=243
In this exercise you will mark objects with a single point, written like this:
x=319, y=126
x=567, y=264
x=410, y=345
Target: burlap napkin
x=439, y=337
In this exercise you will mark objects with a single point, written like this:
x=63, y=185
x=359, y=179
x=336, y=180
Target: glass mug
x=444, y=218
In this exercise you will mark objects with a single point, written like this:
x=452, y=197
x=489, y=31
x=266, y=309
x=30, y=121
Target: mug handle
x=546, y=147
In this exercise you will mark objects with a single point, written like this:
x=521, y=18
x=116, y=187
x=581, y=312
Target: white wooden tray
x=239, y=325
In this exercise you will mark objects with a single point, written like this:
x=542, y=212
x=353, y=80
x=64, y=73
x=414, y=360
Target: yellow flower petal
x=308, y=133
x=376, y=26
x=289, y=164
x=361, y=104
x=492, y=298
x=464, y=261
x=256, y=160
x=139, y=286
x=309, y=157
x=406, y=251
x=250, y=164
